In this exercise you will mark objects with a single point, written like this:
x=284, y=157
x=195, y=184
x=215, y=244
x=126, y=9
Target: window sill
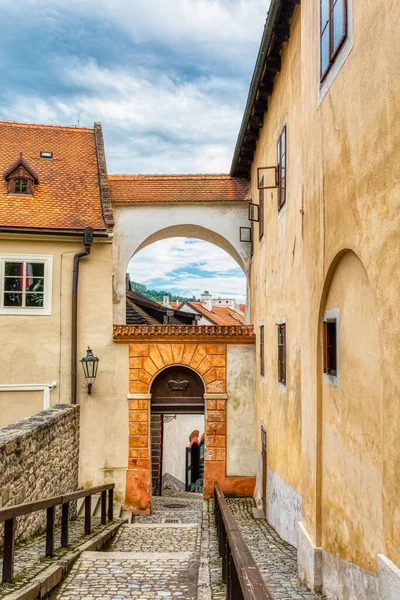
x=25, y=312
x=20, y=194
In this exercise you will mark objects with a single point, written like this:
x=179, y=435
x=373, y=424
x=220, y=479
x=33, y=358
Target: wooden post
x=88, y=515
x=9, y=547
x=111, y=504
x=103, y=507
x=50, y=523
x=65, y=525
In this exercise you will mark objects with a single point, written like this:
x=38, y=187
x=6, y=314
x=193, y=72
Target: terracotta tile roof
x=219, y=315
x=238, y=333
x=68, y=193
x=177, y=188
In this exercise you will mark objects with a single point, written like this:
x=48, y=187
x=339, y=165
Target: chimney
x=165, y=301
x=207, y=300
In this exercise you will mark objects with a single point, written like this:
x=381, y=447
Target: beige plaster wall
x=351, y=200
x=37, y=349
x=276, y=276
x=241, y=411
x=15, y=406
x=351, y=491
x=343, y=194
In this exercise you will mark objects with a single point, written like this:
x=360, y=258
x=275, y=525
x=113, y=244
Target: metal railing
x=9, y=516
x=240, y=573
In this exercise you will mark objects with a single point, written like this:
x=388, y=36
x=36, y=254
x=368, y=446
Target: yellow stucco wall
x=343, y=172
x=275, y=273
x=36, y=350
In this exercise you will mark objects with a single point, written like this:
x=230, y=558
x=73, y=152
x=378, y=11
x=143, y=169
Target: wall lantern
x=90, y=365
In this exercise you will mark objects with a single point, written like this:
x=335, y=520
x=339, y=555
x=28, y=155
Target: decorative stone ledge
x=235, y=334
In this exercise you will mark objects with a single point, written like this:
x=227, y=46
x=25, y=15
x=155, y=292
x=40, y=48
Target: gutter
x=44, y=231
x=262, y=55
x=87, y=242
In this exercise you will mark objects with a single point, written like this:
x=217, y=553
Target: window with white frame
x=25, y=284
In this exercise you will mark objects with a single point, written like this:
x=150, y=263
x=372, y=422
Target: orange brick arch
x=146, y=361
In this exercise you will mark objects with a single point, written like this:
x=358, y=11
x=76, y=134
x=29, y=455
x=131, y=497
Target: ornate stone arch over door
x=177, y=390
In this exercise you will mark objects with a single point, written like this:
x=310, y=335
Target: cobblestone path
x=154, y=557
x=30, y=557
x=173, y=553
x=276, y=559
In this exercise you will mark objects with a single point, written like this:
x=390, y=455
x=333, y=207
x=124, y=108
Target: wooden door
x=177, y=390
x=264, y=469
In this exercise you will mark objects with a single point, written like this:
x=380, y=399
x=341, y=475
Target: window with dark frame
x=261, y=211
x=262, y=357
x=21, y=186
x=23, y=284
x=282, y=353
x=281, y=166
x=330, y=342
x=333, y=31
x=252, y=238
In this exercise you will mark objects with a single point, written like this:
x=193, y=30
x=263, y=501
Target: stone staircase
x=119, y=511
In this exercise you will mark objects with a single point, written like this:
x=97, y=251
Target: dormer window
x=21, y=178
x=21, y=186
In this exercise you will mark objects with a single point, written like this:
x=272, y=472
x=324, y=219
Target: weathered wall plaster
x=39, y=459
x=175, y=441
x=343, y=580
x=241, y=410
x=309, y=560
x=283, y=507
x=388, y=579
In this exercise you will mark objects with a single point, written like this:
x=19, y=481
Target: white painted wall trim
x=34, y=387
x=139, y=396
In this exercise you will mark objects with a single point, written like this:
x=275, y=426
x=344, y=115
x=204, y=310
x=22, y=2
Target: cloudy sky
x=168, y=79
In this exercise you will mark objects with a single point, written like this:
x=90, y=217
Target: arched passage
x=177, y=430
x=349, y=488
x=137, y=226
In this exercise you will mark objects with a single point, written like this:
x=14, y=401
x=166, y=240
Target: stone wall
x=39, y=458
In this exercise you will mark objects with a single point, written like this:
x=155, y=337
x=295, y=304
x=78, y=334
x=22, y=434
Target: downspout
x=87, y=242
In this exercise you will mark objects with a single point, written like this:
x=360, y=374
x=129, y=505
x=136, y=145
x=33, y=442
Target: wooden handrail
x=9, y=515
x=29, y=507
x=239, y=569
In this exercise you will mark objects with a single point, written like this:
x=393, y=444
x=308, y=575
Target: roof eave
x=263, y=54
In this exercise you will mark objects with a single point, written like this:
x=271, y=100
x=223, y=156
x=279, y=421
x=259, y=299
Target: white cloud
x=189, y=267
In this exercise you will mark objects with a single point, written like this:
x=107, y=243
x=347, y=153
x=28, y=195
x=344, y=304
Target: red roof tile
x=177, y=188
x=221, y=315
x=68, y=193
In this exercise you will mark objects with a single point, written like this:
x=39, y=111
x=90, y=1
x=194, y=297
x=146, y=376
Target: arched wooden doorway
x=175, y=391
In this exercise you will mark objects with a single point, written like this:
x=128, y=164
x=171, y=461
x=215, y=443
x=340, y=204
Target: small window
x=46, y=155
x=333, y=31
x=330, y=363
x=261, y=211
x=262, y=358
x=25, y=285
x=21, y=186
x=282, y=353
x=281, y=157
x=252, y=239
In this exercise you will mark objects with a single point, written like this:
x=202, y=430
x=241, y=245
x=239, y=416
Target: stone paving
x=30, y=557
x=276, y=559
x=174, y=554
x=154, y=557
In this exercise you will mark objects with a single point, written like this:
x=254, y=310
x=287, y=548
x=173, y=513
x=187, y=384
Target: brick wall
x=156, y=452
x=39, y=458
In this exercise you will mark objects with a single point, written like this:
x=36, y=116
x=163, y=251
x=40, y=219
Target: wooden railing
x=239, y=570
x=10, y=514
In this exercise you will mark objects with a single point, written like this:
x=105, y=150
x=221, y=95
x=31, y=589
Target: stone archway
x=177, y=402
x=137, y=226
x=146, y=362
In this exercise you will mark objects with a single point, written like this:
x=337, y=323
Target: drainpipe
x=87, y=242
